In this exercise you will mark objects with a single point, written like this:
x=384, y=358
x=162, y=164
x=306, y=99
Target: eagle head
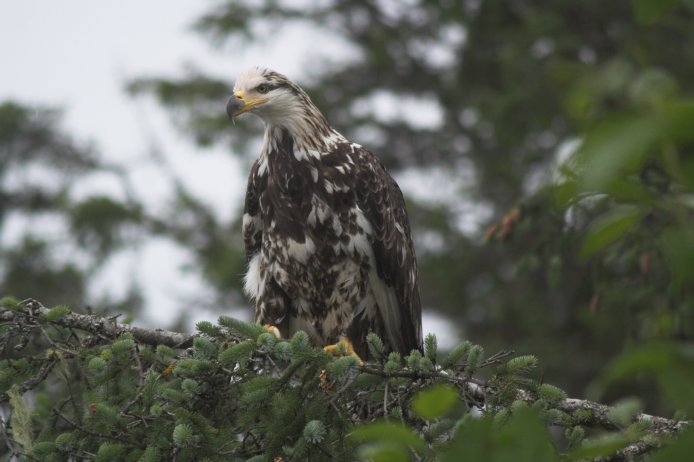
x=277, y=100
x=266, y=93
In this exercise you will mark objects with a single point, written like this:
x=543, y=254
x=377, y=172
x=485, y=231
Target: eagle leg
x=273, y=330
x=343, y=347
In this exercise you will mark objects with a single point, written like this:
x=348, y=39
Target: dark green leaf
x=650, y=11
x=391, y=433
x=600, y=447
x=617, y=148
x=434, y=401
x=680, y=450
x=609, y=229
x=524, y=438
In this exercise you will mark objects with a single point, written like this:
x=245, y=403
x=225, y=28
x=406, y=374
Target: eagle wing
x=395, y=277
x=251, y=227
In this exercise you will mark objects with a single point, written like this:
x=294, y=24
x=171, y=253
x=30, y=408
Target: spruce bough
x=106, y=391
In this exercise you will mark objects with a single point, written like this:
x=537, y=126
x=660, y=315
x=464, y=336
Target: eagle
x=325, y=229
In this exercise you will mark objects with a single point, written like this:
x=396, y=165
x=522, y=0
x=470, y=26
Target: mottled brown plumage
x=325, y=227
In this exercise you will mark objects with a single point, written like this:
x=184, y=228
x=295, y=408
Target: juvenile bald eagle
x=325, y=228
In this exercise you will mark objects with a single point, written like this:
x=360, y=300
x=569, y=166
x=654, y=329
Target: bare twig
x=496, y=358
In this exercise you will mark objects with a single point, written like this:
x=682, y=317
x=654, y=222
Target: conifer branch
x=598, y=413
x=93, y=433
x=599, y=417
x=31, y=310
x=397, y=383
x=33, y=381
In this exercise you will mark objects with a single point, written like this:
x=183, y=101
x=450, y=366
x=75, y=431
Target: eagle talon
x=343, y=347
x=273, y=330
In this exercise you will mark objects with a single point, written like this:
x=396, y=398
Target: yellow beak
x=237, y=104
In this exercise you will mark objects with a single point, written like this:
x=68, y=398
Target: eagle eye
x=263, y=88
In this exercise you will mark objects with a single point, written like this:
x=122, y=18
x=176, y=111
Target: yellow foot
x=273, y=330
x=343, y=347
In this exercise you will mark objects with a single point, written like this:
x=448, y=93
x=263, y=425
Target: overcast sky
x=77, y=55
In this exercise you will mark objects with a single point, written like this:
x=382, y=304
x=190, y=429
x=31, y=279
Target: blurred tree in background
x=491, y=99
x=53, y=240
x=512, y=87
x=561, y=134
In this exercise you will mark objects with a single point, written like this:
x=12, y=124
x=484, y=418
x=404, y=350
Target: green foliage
x=244, y=329
x=623, y=412
x=387, y=441
x=473, y=359
x=66, y=442
x=236, y=353
x=430, y=347
x=523, y=437
x=671, y=365
x=34, y=262
x=132, y=401
x=97, y=365
x=341, y=368
x=550, y=393
x=110, y=452
x=648, y=12
x=56, y=313
x=623, y=97
x=283, y=351
x=393, y=363
x=603, y=251
x=458, y=352
x=609, y=229
x=575, y=435
x=98, y=223
x=204, y=348
x=433, y=402
x=123, y=346
x=514, y=89
x=151, y=454
x=209, y=329
x=681, y=449
x=314, y=432
x=165, y=351
x=10, y=303
x=183, y=436
x=376, y=347
x=599, y=447
x=521, y=364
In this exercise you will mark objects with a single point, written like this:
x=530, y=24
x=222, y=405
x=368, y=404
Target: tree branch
x=93, y=433
x=101, y=326
x=600, y=417
x=476, y=391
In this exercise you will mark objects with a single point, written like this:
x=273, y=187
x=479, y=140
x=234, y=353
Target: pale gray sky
x=77, y=54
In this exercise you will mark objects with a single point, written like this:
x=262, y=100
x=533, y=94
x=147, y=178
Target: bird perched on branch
x=325, y=228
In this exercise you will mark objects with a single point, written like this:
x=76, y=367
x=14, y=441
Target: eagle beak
x=237, y=104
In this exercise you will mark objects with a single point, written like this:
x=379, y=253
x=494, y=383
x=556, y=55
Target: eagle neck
x=316, y=138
